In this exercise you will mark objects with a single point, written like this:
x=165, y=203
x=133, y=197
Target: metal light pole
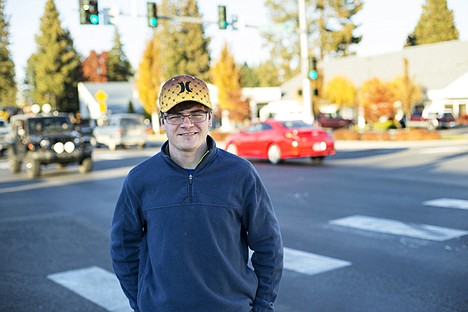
x=306, y=90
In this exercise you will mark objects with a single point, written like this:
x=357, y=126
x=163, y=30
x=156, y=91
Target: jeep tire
x=86, y=165
x=33, y=167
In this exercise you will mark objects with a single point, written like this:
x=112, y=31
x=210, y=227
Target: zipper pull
x=190, y=178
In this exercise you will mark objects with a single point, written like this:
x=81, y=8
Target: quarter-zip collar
x=209, y=154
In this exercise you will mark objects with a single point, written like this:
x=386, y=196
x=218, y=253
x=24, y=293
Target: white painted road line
x=310, y=264
x=102, y=287
x=386, y=226
x=443, y=149
x=95, y=284
x=448, y=203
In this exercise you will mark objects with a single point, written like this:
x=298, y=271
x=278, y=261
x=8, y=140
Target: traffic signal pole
x=306, y=89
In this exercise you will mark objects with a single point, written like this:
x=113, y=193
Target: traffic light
x=222, y=22
x=89, y=12
x=152, y=14
x=313, y=73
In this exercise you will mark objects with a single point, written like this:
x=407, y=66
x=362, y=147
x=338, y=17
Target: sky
x=384, y=26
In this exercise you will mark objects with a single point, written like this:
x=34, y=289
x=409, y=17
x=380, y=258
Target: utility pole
x=306, y=90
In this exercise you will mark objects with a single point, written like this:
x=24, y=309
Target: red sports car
x=278, y=140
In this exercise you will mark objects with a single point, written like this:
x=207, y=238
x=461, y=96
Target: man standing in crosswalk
x=187, y=217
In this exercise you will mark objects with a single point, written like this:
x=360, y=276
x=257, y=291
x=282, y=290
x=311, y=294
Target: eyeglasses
x=178, y=119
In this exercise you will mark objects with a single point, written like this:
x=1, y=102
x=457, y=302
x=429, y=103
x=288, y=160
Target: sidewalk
x=359, y=144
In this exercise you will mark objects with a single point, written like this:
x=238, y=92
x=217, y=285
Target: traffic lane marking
x=394, y=227
x=448, y=203
x=96, y=285
x=310, y=264
x=103, y=288
x=69, y=179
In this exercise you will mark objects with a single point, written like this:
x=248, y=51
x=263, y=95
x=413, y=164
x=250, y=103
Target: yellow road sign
x=101, y=96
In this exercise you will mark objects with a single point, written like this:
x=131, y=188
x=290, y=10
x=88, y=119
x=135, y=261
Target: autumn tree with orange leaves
x=149, y=77
x=226, y=76
x=376, y=99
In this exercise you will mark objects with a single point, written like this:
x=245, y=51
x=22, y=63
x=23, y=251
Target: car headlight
x=59, y=147
x=69, y=147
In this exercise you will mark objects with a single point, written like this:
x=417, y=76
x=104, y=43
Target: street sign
x=101, y=96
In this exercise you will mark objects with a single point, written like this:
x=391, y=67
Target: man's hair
x=186, y=105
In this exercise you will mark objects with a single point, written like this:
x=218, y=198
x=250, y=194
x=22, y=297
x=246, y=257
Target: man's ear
x=210, y=119
x=163, y=125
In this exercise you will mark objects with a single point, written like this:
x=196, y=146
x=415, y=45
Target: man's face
x=188, y=136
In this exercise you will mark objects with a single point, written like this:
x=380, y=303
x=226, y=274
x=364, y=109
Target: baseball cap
x=183, y=88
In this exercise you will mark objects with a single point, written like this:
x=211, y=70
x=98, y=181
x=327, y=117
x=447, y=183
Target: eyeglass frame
x=189, y=116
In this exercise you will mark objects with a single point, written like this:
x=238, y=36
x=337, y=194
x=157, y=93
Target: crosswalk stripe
x=448, y=203
x=95, y=284
x=310, y=264
x=387, y=226
x=102, y=287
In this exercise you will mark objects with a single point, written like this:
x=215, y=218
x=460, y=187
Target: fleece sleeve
x=264, y=239
x=126, y=236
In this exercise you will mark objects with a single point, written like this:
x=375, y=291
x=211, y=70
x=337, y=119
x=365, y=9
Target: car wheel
x=15, y=165
x=86, y=165
x=112, y=145
x=33, y=167
x=317, y=160
x=274, y=154
x=232, y=149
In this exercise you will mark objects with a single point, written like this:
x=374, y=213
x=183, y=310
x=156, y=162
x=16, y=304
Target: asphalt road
x=374, y=228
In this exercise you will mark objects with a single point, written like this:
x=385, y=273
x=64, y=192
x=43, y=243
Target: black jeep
x=43, y=139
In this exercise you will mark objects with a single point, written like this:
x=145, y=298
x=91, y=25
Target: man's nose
x=187, y=120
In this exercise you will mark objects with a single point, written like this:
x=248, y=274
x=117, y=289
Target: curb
x=358, y=144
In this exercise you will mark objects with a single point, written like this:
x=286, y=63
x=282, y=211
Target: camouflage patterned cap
x=183, y=88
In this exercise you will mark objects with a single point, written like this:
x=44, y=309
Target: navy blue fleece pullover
x=180, y=241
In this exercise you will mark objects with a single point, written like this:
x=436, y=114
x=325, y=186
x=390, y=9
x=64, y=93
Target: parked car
x=334, y=121
x=43, y=139
x=279, y=140
x=4, y=130
x=122, y=130
x=446, y=120
x=431, y=121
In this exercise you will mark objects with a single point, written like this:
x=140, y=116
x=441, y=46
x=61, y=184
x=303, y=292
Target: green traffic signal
x=313, y=74
x=152, y=14
x=222, y=20
x=94, y=19
x=153, y=22
x=89, y=13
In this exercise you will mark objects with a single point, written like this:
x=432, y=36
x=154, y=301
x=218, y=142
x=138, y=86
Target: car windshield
x=294, y=124
x=49, y=125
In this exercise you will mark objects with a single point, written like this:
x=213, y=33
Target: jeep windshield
x=44, y=125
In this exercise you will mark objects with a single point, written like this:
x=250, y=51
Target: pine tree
x=54, y=70
x=337, y=28
x=328, y=20
x=8, y=87
x=436, y=24
x=185, y=47
x=118, y=65
x=249, y=76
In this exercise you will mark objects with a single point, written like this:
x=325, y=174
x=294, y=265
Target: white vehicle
x=122, y=130
x=4, y=130
x=282, y=110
